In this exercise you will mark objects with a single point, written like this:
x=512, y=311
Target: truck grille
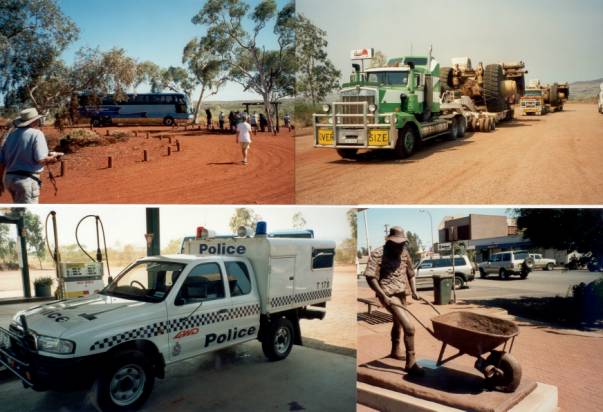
x=354, y=109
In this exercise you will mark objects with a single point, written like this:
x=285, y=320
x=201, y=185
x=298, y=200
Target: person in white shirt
x=244, y=137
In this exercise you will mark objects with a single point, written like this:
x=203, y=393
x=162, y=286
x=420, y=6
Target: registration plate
x=326, y=137
x=378, y=137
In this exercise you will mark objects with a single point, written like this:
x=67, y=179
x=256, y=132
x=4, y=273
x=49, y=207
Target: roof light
x=261, y=228
x=202, y=233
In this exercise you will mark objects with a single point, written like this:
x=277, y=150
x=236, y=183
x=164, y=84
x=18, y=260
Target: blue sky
x=559, y=40
x=411, y=219
x=155, y=30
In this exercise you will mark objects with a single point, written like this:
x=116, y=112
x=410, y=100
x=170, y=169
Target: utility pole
x=152, y=235
x=430, y=226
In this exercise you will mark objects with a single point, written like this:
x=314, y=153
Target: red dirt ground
x=208, y=169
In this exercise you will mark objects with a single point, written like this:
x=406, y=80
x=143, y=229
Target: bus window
x=167, y=99
x=155, y=99
x=141, y=99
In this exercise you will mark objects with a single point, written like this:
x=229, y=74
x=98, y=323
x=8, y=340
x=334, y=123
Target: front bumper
x=359, y=130
x=44, y=372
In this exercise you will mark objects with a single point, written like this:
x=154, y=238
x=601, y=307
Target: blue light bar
x=261, y=228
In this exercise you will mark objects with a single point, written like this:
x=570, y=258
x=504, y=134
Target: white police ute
x=163, y=309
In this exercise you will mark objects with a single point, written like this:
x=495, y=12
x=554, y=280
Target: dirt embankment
x=207, y=169
x=553, y=159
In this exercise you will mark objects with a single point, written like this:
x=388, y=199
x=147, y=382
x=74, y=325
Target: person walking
x=263, y=122
x=221, y=120
x=231, y=121
x=390, y=274
x=244, y=137
x=287, y=120
x=23, y=156
x=254, y=122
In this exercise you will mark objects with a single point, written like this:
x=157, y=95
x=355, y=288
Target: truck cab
x=532, y=102
x=163, y=309
x=386, y=108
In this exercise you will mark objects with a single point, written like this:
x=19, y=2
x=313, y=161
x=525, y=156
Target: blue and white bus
x=167, y=108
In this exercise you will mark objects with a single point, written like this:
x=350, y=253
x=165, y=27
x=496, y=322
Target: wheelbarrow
x=478, y=335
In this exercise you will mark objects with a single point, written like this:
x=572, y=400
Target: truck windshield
x=533, y=93
x=521, y=255
x=145, y=281
x=389, y=78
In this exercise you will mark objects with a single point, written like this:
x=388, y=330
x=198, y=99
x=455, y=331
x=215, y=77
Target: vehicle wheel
x=168, y=121
x=445, y=79
x=492, y=124
x=520, y=83
x=475, y=124
x=407, y=141
x=554, y=95
x=528, y=264
x=493, y=78
x=483, y=125
x=549, y=266
x=278, y=342
x=126, y=383
x=462, y=126
x=96, y=122
x=453, y=134
x=482, y=273
x=503, y=274
x=506, y=375
x=348, y=153
x=459, y=282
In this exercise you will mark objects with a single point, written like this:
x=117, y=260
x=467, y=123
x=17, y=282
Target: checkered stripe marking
x=175, y=325
x=300, y=298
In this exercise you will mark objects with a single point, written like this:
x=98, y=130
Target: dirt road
x=554, y=159
x=207, y=170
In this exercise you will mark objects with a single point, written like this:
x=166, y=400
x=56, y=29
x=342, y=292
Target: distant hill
x=586, y=90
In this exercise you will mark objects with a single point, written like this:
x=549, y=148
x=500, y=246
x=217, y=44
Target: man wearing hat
x=23, y=156
x=390, y=274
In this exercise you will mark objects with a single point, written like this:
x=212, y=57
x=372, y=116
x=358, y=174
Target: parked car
x=542, y=262
x=464, y=270
x=505, y=264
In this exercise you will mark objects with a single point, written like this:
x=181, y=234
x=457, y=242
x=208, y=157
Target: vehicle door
x=538, y=260
x=492, y=264
x=424, y=274
x=244, y=298
x=199, y=313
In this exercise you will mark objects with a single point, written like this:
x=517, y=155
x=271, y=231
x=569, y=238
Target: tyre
x=493, y=78
x=483, y=125
x=445, y=79
x=520, y=82
x=278, y=342
x=407, y=142
x=492, y=124
x=507, y=372
x=462, y=126
x=126, y=383
x=168, y=121
x=347, y=153
x=96, y=122
x=459, y=282
x=482, y=273
x=554, y=95
x=475, y=124
x=549, y=266
x=503, y=274
x=453, y=133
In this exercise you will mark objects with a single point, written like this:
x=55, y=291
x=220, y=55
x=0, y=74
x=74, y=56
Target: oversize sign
x=360, y=54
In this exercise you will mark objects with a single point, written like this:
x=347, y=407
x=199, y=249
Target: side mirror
x=110, y=280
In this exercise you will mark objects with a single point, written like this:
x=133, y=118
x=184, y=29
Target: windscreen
x=145, y=281
x=389, y=78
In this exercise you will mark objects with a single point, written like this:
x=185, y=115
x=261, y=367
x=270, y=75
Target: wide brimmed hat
x=27, y=117
x=397, y=235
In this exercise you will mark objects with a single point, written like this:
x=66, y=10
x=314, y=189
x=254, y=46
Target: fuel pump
x=78, y=279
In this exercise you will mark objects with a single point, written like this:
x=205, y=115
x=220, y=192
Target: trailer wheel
x=445, y=79
x=493, y=78
x=521, y=87
x=554, y=95
x=462, y=126
x=453, y=133
x=348, y=153
x=492, y=124
x=126, y=383
x=278, y=342
x=475, y=124
x=407, y=141
x=507, y=372
x=483, y=125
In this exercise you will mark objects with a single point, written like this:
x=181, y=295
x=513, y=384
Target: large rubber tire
x=278, y=342
x=407, y=142
x=462, y=126
x=96, y=122
x=459, y=282
x=493, y=78
x=139, y=365
x=521, y=88
x=351, y=154
x=453, y=133
x=503, y=274
x=482, y=273
x=168, y=121
x=509, y=376
x=554, y=95
x=445, y=79
x=549, y=267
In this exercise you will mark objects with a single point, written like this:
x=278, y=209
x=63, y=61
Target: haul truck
x=387, y=108
x=541, y=99
x=163, y=309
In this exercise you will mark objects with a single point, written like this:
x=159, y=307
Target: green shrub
x=304, y=111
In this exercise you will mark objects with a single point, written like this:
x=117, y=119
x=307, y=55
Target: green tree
x=173, y=247
x=269, y=73
x=33, y=232
x=298, y=221
x=316, y=74
x=176, y=79
x=242, y=217
x=148, y=72
x=564, y=229
x=352, y=215
x=414, y=246
x=33, y=34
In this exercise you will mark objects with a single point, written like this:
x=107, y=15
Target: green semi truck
x=396, y=108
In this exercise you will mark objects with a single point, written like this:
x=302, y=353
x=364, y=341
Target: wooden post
x=107, y=132
x=169, y=151
x=135, y=133
x=177, y=145
x=148, y=135
x=62, y=168
x=109, y=162
x=145, y=156
x=170, y=139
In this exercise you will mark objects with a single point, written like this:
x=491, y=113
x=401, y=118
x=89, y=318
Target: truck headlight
x=326, y=108
x=55, y=345
x=387, y=119
x=372, y=108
